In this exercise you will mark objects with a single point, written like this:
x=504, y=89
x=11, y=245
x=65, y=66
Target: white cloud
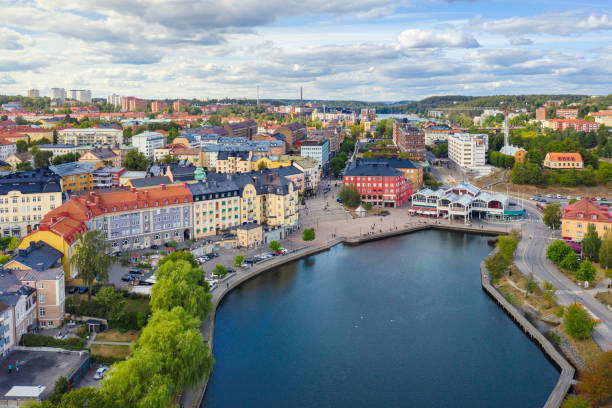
x=13, y=40
x=520, y=41
x=560, y=23
x=415, y=38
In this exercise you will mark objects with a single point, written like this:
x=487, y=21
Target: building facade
x=147, y=142
x=378, y=184
x=25, y=197
x=409, y=139
x=468, y=150
x=317, y=150
x=76, y=176
x=293, y=133
x=557, y=161
x=233, y=162
x=577, y=217
x=90, y=136
x=7, y=148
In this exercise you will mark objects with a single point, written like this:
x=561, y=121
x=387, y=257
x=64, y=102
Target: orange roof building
x=563, y=161
x=577, y=217
x=131, y=219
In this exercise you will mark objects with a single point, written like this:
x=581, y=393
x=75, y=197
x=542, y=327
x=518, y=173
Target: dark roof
x=295, y=126
x=241, y=125
x=181, y=172
x=371, y=170
x=223, y=155
x=3, y=307
x=103, y=153
x=215, y=185
x=248, y=226
x=150, y=181
x=30, y=182
x=287, y=171
x=395, y=163
x=39, y=256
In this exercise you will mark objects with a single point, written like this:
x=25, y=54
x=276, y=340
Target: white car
x=100, y=373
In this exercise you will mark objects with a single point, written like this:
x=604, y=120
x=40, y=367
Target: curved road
x=530, y=257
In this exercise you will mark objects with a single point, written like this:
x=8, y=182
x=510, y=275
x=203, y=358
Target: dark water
x=395, y=323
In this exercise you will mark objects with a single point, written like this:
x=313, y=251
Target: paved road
x=531, y=258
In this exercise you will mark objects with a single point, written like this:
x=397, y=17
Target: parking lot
x=38, y=368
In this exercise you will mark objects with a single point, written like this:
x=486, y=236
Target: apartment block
x=468, y=150
x=577, y=217
x=318, y=150
x=410, y=139
x=90, y=136
x=378, y=184
x=158, y=106
x=147, y=142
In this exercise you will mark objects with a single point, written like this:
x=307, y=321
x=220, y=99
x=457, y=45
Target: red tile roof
x=566, y=157
x=587, y=210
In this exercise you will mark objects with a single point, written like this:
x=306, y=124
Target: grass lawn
x=110, y=351
x=116, y=335
x=136, y=305
x=587, y=349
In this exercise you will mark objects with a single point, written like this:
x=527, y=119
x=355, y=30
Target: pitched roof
x=150, y=181
x=587, y=210
x=30, y=182
x=566, y=157
x=38, y=255
x=103, y=153
x=371, y=170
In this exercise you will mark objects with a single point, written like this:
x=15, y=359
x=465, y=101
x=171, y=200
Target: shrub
x=570, y=262
x=37, y=340
x=578, y=322
x=308, y=234
x=557, y=251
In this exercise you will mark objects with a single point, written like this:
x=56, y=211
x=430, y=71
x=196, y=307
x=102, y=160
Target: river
x=401, y=322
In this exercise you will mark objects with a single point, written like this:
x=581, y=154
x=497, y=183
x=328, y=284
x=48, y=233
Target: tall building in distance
x=158, y=106
x=410, y=139
x=368, y=115
x=540, y=113
x=58, y=94
x=133, y=104
x=468, y=151
x=81, y=95
x=178, y=104
x=33, y=93
x=114, y=99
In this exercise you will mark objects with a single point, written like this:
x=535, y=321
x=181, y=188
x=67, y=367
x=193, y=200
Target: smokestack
x=301, y=96
x=506, y=129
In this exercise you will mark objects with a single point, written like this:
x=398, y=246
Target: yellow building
x=267, y=163
x=17, y=158
x=563, y=161
x=233, y=162
x=249, y=235
x=577, y=217
x=76, y=176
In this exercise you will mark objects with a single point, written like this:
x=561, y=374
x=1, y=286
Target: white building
x=114, y=99
x=58, y=94
x=90, y=136
x=81, y=95
x=6, y=149
x=468, y=151
x=6, y=329
x=318, y=150
x=33, y=93
x=147, y=142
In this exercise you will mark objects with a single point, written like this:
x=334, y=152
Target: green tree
x=87, y=397
x=550, y=292
x=181, y=284
x=61, y=387
x=350, y=196
x=497, y=265
x=136, y=161
x=175, y=337
x=127, y=134
x=90, y=258
x=179, y=256
x=308, y=234
x=168, y=159
x=557, y=251
x=507, y=245
x=41, y=158
x=12, y=244
x=238, y=261
x=605, y=251
x=591, y=243
x=578, y=323
x=110, y=301
x=24, y=166
x=22, y=146
x=262, y=165
x=552, y=216
x=531, y=285
x=586, y=272
x=172, y=134
x=138, y=382
x=274, y=246
x=596, y=380
x=570, y=262
x=220, y=271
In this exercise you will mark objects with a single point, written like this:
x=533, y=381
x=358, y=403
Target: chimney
x=163, y=186
x=146, y=194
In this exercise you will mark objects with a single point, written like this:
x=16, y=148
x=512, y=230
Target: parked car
x=128, y=277
x=100, y=373
x=72, y=289
x=136, y=271
x=83, y=289
x=339, y=200
x=154, y=246
x=550, y=196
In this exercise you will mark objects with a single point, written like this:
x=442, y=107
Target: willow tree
x=90, y=258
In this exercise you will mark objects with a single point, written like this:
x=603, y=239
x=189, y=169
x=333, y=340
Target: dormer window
x=580, y=215
x=156, y=203
x=114, y=208
x=593, y=217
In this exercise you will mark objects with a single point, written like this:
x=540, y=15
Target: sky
x=370, y=50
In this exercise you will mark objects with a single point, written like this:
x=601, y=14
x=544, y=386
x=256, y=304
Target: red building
x=158, y=106
x=410, y=139
x=378, y=183
x=577, y=124
x=132, y=104
x=178, y=104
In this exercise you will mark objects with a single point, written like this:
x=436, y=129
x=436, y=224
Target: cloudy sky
x=374, y=50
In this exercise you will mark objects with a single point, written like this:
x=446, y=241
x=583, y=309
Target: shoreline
x=279, y=261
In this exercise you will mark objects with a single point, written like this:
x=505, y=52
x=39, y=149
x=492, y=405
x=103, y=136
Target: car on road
x=339, y=200
x=598, y=198
x=550, y=196
x=83, y=289
x=559, y=196
x=100, y=373
x=154, y=246
x=72, y=289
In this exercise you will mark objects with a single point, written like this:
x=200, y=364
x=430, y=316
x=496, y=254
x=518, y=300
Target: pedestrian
x=10, y=368
x=227, y=285
x=17, y=366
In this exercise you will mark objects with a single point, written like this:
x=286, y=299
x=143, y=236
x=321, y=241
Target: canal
x=399, y=322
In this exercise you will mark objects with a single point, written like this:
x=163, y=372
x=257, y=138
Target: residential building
x=33, y=93
x=563, y=161
x=436, y=132
x=81, y=95
x=102, y=154
x=412, y=171
x=17, y=158
x=311, y=168
x=180, y=104
x=295, y=175
x=293, y=133
x=467, y=150
x=518, y=153
x=126, y=177
x=7, y=149
x=464, y=201
x=147, y=142
x=246, y=129
x=159, y=106
x=39, y=266
x=378, y=184
x=90, y=136
x=409, y=139
x=12, y=107
x=368, y=115
x=58, y=94
x=58, y=149
x=22, y=308
x=25, y=197
x=132, y=104
x=7, y=341
x=577, y=217
x=567, y=113
x=107, y=177
x=577, y=124
x=180, y=153
x=233, y=162
x=114, y=100
x=603, y=117
x=317, y=150
x=76, y=176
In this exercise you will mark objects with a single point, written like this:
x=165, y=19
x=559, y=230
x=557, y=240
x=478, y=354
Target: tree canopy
x=90, y=258
x=136, y=161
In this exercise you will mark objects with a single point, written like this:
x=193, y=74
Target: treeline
x=170, y=354
x=530, y=173
x=498, y=159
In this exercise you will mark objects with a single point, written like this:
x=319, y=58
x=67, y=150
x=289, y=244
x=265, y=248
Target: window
x=41, y=298
x=41, y=285
x=41, y=311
